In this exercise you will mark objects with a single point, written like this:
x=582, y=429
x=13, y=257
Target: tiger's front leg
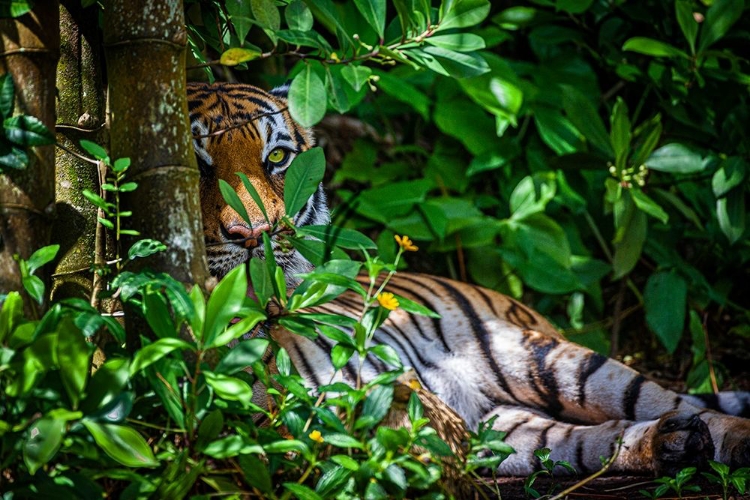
x=663, y=446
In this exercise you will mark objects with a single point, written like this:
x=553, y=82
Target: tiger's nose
x=247, y=237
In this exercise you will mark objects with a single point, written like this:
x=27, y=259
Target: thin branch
x=224, y=130
x=77, y=155
x=593, y=476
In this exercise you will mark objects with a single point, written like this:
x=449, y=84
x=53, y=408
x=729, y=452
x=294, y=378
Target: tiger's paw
x=681, y=440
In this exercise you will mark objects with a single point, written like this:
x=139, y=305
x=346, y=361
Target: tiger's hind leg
x=735, y=403
x=662, y=446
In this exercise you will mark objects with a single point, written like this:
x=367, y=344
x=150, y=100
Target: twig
x=709, y=358
x=593, y=476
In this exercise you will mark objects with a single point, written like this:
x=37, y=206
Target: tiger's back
x=487, y=356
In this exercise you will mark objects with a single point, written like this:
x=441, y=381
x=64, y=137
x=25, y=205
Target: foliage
x=725, y=477
x=21, y=131
x=548, y=467
x=678, y=484
x=562, y=147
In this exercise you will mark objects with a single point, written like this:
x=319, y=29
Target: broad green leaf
x=304, y=39
x=730, y=211
x=238, y=55
x=210, y=428
x=675, y=158
x=106, y=384
x=302, y=179
x=719, y=18
x=386, y=353
x=374, y=13
x=456, y=64
x=336, y=89
x=405, y=92
x=730, y=174
x=242, y=356
x=249, y=318
x=145, y=248
x=620, y=133
x=338, y=236
x=266, y=13
x=583, y=114
x=158, y=316
x=688, y=24
x=15, y=8
x=414, y=409
x=356, y=76
x=262, y=282
x=343, y=440
x=307, y=97
x=287, y=445
x=631, y=236
x=256, y=473
x=302, y=492
x=530, y=197
x=340, y=355
x=41, y=257
x=415, y=308
x=152, y=353
x=232, y=446
x=27, y=131
x=462, y=13
x=649, y=206
x=225, y=302
x=254, y=195
x=95, y=150
x=11, y=315
x=12, y=156
x=44, y=439
x=376, y=407
x=35, y=287
x=233, y=200
x=73, y=356
x=457, y=42
x=298, y=16
x=651, y=47
x=7, y=92
x=665, y=299
x=332, y=480
x=558, y=132
x=123, y=444
x=518, y=17
x=230, y=388
x=647, y=136
x=240, y=15
x=573, y=6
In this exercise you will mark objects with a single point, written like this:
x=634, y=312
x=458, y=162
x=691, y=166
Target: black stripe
x=437, y=324
x=632, y=393
x=480, y=333
x=512, y=428
x=593, y=362
x=542, y=442
x=542, y=376
x=579, y=457
x=311, y=374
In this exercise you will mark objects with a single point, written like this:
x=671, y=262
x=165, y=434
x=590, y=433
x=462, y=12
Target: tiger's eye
x=278, y=155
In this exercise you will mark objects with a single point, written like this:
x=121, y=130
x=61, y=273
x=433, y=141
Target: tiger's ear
x=281, y=91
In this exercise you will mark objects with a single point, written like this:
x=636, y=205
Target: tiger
x=487, y=356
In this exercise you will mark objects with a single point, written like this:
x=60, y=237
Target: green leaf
x=11, y=315
x=7, y=92
x=631, y=236
x=145, y=248
x=127, y=187
x=719, y=18
x=254, y=195
x=41, y=257
x=583, y=114
x=462, y=13
x=230, y=388
x=456, y=64
x=302, y=492
x=338, y=236
x=688, y=24
x=332, y=480
x=106, y=384
x=343, y=440
x=95, y=150
x=123, y=444
x=405, y=92
x=558, y=132
x=730, y=211
x=665, y=299
x=675, y=158
x=233, y=200
x=458, y=42
x=307, y=97
x=240, y=13
x=415, y=308
x=340, y=355
x=225, y=302
x=73, y=356
x=15, y=8
x=231, y=446
x=386, y=353
x=249, y=317
x=242, y=356
x=156, y=311
x=27, y=131
x=239, y=55
x=298, y=16
x=356, y=76
x=150, y=354
x=262, y=282
x=44, y=439
x=649, y=206
x=302, y=179
x=651, y=47
x=730, y=174
x=414, y=409
x=210, y=428
x=256, y=473
x=35, y=287
x=374, y=13
x=620, y=133
x=376, y=407
x=12, y=156
x=266, y=13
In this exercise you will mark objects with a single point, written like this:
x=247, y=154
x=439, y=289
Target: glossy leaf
x=123, y=444
x=302, y=179
x=44, y=438
x=719, y=18
x=730, y=174
x=233, y=200
x=458, y=42
x=242, y=356
x=307, y=97
x=665, y=299
x=731, y=213
x=7, y=94
x=356, y=76
x=225, y=302
x=73, y=356
x=240, y=14
x=374, y=13
x=582, y=113
x=298, y=16
x=651, y=47
x=238, y=55
x=27, y=131
x=688, y=24
x=675, y=158
x=266, y=13
x=462, y=13
x=230, y=388
x=255, y=196
x=152, y=353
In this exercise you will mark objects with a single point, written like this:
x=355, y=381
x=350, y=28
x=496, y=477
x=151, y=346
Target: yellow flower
x=316, y=436
x=414, y=384
x=387, y=300
x=406, y=243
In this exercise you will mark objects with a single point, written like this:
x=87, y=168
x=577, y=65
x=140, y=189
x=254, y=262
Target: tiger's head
x=241, y=128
